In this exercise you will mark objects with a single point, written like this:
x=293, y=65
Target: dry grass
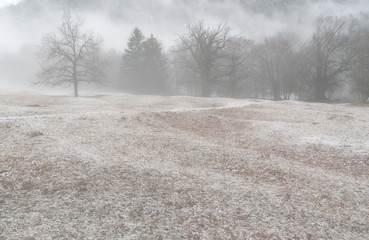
x=125, y=167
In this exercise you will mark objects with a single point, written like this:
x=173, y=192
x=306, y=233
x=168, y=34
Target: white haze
x=163, y=18
x=4, y=3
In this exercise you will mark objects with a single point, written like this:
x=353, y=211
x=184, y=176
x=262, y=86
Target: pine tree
x=132, y=60
x=154, y=66
x=144, y=64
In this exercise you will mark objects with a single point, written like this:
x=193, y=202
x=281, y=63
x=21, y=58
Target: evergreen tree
x=144, y=64
x=133, y=60
x=154, y=66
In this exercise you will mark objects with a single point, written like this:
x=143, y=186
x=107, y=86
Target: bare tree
x=205, y=45
x=183, y=73
x=360, y=66
x=330, y=53
x=237, y=67
x=275, y=64
x=70, y=56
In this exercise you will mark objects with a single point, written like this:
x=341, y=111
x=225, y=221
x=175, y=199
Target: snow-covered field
x=143, y=167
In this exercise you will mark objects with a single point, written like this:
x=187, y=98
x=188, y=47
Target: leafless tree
x=237, y=67
x=182, y=74
x=275, y=64
x=70, y=56
x=205, y=45
x=360, y=66
x=330, y=53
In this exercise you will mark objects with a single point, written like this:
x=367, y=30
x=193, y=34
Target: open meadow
x=112, y=166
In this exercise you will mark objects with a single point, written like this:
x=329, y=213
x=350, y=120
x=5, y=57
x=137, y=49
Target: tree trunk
x=205, y=90
x=75, y=83
x=366, y=99
x=276, y=93
x=320, y=90
x=205, y=85
x=286, y=95
x=75, y=80
x=320, y=94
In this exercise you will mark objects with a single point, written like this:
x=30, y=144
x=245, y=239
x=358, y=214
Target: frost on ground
x=143, y=167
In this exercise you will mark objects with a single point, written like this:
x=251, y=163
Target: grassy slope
x=133, y=167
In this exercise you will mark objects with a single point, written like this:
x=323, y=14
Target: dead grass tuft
x=34, y=134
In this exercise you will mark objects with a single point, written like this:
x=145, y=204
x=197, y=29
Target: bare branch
x=70, y=56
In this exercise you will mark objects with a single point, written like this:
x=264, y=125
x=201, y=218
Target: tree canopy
x=70, y=56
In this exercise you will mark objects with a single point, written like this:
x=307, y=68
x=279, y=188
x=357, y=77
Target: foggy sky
x=23, y=26
x=4, y=3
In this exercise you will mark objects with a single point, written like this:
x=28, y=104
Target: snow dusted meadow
x=143, y=167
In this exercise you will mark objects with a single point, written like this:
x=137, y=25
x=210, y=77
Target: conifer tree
x=132, y=60
x=144, y=64
x=154, y=68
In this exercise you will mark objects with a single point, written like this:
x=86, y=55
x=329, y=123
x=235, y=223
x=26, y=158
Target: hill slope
x=143, y=167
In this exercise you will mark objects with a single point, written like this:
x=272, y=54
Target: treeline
x=212, y=61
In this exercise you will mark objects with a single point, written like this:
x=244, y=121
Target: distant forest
x=207, y=59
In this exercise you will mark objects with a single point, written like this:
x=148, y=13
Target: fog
x=23, y=24
x=184, y=119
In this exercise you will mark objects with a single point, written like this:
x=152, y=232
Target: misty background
x=23, y=24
